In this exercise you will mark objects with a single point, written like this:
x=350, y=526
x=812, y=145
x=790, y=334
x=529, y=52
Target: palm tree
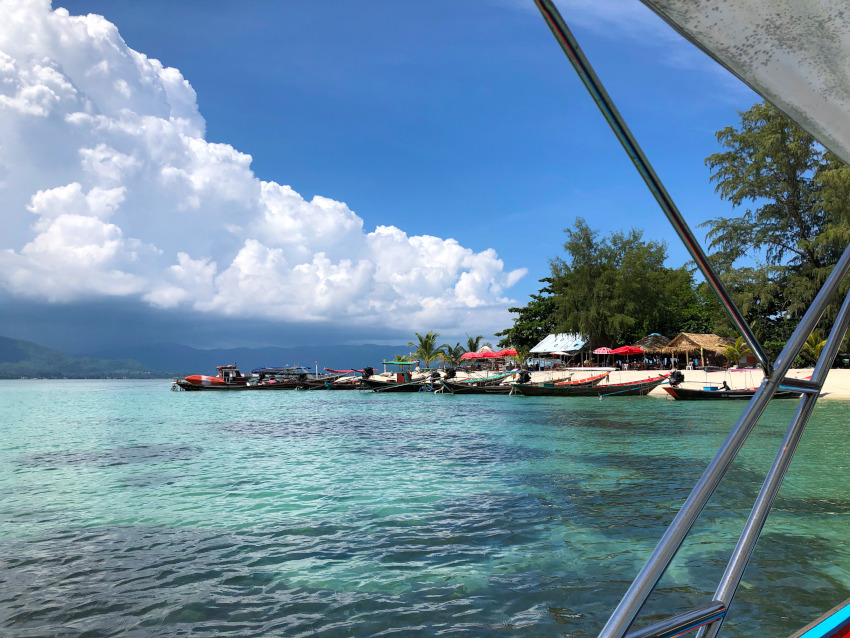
x=452, y=355
x=427, y=349
x=473, y=343
x=736, y=352
x=813, y=347
x=402, y=357
x=522, y=354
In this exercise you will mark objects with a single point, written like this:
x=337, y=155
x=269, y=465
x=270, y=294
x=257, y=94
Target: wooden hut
x=697, y=345
x=652, y=344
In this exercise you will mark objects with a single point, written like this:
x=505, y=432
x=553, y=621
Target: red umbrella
x=626, y=350
x=603, y=351
x=507, y=352
x=470, y=355
x=488, y=354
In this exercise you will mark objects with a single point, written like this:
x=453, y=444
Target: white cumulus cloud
x=111, y=190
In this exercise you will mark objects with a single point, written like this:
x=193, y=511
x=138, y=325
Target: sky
x=291, y=173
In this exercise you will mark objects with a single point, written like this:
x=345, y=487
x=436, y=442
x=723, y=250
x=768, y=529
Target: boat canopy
x=562, y=343
x=281, y=370
x=401, y=363
x=795, y=53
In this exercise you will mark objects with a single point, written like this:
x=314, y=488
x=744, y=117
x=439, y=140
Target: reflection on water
x=126, y=509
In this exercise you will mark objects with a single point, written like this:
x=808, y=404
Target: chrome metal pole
x=728, y=585
x=635, y=597
x=648, y=578
x=813, y=314
x=594, y=86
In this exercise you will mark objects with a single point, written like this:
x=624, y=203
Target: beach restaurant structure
x=563, y=344
x=698, y=346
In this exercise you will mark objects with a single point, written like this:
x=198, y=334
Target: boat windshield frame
x=708, y=616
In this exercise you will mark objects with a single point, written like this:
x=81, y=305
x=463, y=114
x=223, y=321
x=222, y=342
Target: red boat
x=229, y=378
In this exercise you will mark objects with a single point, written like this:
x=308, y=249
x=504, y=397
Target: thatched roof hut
x=652, y=344
x=691, y=343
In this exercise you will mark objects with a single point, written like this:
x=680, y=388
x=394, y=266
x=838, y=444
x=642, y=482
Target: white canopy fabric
x=795, y=53
x=561, y=343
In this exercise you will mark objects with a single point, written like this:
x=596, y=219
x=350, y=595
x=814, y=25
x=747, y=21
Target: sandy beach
x=837, y=384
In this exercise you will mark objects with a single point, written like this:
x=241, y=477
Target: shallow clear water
x=130, y=510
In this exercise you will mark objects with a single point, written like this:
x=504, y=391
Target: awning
x=795, y=53
x=561, y=342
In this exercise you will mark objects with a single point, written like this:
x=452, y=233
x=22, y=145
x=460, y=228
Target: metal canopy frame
x=709, y=617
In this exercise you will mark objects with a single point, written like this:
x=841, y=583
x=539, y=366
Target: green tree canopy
x=473, y=343
x=617, y=289
x=796, y=223
x=452, y=355
x=427, y=349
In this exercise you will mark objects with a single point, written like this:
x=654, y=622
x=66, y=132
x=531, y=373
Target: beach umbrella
x=626, y=350
x=507, y=352
x=470, y=355
x=488, y=354
x=603, y=350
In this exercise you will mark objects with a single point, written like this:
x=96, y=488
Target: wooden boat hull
x=833, y=624
x=182, y=384
x=470, y=388
x=614, y=389
x=345, y=385
x=692, y=394
x=582, y=382
x=393, y=386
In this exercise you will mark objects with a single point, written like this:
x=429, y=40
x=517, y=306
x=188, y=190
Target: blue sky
x=458, y=121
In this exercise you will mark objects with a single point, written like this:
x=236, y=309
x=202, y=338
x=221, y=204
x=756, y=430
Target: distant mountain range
x=27, y=359
x=182, y=360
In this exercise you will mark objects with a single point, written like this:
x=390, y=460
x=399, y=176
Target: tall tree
x=452, y=356
x=796, y=222
x=617, y=289
x=473, y=343
x=771, y=163
x=427, y=349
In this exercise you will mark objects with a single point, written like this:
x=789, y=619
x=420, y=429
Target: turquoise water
x=130, y=510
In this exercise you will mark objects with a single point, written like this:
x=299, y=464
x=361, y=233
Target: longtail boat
x=402, y=382
x=460, y=387
x=230, y=378
x=419, y=385
x=714, y=393
x=645, y=386
x=594, y=380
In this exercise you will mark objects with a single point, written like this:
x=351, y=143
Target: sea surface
x=130, y=510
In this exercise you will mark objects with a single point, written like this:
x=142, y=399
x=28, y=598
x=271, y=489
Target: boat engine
x=676, y=377
x=367, y=372
x=451, y=373
x=435, y=375
x=523, y=377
